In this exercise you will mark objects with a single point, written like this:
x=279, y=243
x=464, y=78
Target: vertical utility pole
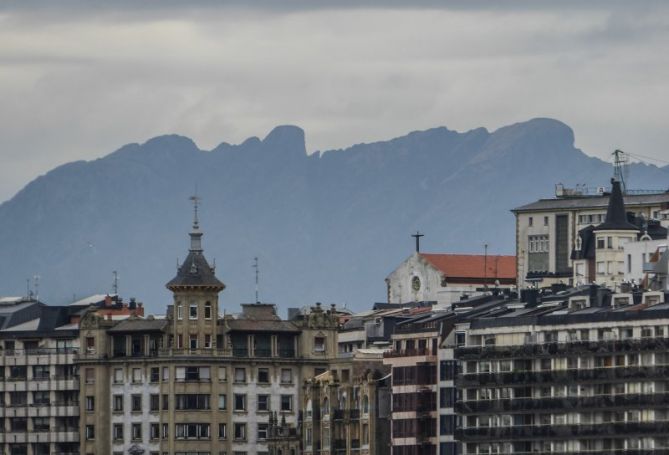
x=257, y=267
x=485, y=265
x=417, y=236
x=36, y=281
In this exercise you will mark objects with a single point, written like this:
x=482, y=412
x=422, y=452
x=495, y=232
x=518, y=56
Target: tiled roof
x=472, y=265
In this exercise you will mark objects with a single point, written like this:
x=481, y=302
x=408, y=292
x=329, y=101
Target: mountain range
x=327, y=226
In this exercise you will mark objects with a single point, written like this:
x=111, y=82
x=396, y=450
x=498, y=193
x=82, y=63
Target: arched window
x=326, y=407
x=365, y=404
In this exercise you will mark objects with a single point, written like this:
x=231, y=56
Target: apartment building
x=581, y=371
x=196, y=381
x=547, y=231
x=39, y=385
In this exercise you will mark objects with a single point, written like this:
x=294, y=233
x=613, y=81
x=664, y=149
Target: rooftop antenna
x=417, y=236
x=36, y=281
x=620, y=168
x=257, y=267
x=115, y=283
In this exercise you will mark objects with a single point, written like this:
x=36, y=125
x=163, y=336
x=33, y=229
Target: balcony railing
x=38, y=351
x=410, y=352
x=523, y=405
x=563, y=376
x=611, y=429
x=551, y=349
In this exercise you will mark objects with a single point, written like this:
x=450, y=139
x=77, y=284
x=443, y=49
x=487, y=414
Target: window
x=90, y=403
x=240, y=402
x=222, y=402
x=180, y=312
x=166, y=402
x=42, y=399
x=193, y=374
x=263, y=375
x=155, y=374
x=240, y=374
x=154, y=431
x=154, y=402
x=136, y=403
x=90, y=432
x=240, y=431
x=136, y=375
x=222, y=431
x=117, y=432
x=286, y=402
x=319, y=344
x=222, y=374
x=192, y=430
x=545, y=221
x=263, y=403
x=136, y=431
x=286, y=376
x=207, y=310
x=166, y=431
x=39, y=372
x=192, y=311
x=41, y=424
x=262, y=430
x=118, y=403
x=538, y=243
x=192, y=401
x=192, y=341
x=530, y=221
x=166, y=373
x=89, y=374
x=180, y=341
x=207, y=341
x=601, y=243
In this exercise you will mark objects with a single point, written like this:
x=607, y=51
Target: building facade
x=197, y=382
x=547, y=231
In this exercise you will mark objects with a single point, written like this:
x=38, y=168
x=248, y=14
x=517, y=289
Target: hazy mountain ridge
x=327, y=226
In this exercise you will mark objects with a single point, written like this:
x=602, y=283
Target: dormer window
x=192, y=311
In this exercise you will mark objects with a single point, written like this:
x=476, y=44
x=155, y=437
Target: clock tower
x=195, y=289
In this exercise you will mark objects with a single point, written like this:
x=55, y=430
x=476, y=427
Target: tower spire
x=195, y=233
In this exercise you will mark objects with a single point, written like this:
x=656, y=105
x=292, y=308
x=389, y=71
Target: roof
x=256, y=325
x=616, y=218
x=92, y=299
x=473, y=266
x=195, y=271
x=592, y=202
x=139, y=325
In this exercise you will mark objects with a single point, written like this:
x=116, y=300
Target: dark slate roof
x=591, y=202
x=195, y=271
x=616, y=218
x=255, y=325
x=139, y=325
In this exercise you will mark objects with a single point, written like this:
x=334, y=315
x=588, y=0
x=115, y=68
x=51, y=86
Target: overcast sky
x=79, y=79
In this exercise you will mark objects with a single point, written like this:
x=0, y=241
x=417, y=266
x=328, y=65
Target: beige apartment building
x=547, y=231
x=196, y=382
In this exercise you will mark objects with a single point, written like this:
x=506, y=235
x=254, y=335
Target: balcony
x=287, y=353
x=262, y=352
x=428, y=352
x=562, y=348
x=524, y=432
x=524, y=405
x=562, y=376
x=337, y=414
